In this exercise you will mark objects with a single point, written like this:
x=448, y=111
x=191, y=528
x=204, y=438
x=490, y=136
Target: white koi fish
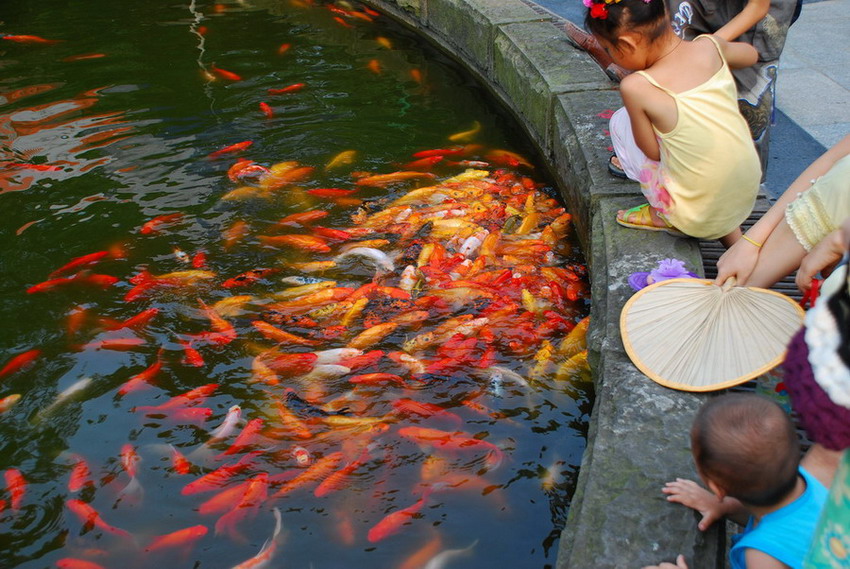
x=335, y=355
x=264, y=557
x=444, y=557
x=63, y=397
x=382, y=262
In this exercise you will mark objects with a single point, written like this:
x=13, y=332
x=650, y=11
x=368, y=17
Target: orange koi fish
x=330, y=192
x=117, y=344
x=277, y=335
x=255, y=494
x=289, y=89
x=423, y=409
x=423, y=163
x=302, y=218
x=421, y=556
x=332, y=234
x=303, y=242
x=9, y=401
x=156, y=224
x=393, y=522
x=292, y=423
x=248, y=277
x=246, y=437
x=384, y=42
x=374, y=66
x=194, y=415
x=102, y=281
x=193, y=357
x=375, y=378
x=453, y=441
x=507, y=158
x=284, y=47
x=264, y=557
x=342, y=22
x=453, y=151
x=19, y=362
x=143, y=379
x=180, y=538
x=416, y=75
x=16, y=485
x=238, y=171
x=290, y=365
x=74, y=563
x=317, y=471
x=339, y=479
x=381, y=180
x=83, y=57
x=266, y=110
x=179, y=463
x=91, y=518
x=238, y=147
x=78, y=262
x=28, y=39
x=219, y=477
x=235, y=233
x=135, y=322
x=80, y=475
x=129, y=461
x=225, y=500
x=225, y=74
x=191, y=397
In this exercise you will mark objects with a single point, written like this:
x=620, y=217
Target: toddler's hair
x=746, y=445
x=648, y=17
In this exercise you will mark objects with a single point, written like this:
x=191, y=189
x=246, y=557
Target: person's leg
x=631, y=158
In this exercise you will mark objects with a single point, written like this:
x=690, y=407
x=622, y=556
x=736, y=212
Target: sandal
x=615, y=170
x=644, y=221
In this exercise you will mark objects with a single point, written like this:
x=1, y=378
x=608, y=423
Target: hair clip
x=599, y=11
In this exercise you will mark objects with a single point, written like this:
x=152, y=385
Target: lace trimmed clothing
x=707, y=179
x=786, y=533
x=821, y=209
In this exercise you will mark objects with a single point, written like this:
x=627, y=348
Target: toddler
x=680, y=133
x=746, y=451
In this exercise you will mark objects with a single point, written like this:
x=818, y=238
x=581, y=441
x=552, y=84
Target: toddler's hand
x=690, y=494
x=680, y=564
x=738, y=261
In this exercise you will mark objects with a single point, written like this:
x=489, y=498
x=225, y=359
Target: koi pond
x=281, y=287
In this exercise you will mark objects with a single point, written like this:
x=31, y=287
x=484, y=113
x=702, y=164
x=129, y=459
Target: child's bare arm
x=680, y=564
x=690, y=494
x=738, y=54
x=752, y=13
x=635, y=91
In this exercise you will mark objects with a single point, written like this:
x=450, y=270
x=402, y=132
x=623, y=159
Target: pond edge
x=639, y=431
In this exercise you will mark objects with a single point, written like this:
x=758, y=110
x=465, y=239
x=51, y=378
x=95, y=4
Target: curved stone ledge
x=638, y=436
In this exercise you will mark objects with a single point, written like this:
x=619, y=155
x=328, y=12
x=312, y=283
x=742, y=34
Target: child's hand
x=680, y=564
x=738, y=261
x=690, y=494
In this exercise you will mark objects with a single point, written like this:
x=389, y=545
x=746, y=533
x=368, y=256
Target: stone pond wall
x=638, y=437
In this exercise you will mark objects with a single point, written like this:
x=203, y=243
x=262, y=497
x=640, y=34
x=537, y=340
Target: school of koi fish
x=371, y=352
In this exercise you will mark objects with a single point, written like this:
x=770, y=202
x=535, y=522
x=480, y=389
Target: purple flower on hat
x=667, y=269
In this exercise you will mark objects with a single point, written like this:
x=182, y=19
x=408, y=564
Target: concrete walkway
x=813, y=88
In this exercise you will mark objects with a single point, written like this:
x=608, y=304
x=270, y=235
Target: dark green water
x=93, y=147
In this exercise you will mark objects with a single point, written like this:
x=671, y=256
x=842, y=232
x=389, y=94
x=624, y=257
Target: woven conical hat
x=693, y=335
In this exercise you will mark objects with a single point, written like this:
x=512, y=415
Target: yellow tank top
x=709, y=162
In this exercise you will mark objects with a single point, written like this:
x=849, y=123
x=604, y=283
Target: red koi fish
x=374, y=66
x=317, y=471
x=102, y=281
x=284, y=47
x=141, y=380
x=74, y=563
x=190, y=398
x=443, y=152
x=83, y=57
x=332, y=234
x=19, y=362
x=140, y=320
x=16, y=485
x=289, y=89
x=179, y=462
x=330, y=192
x=225, y=74
x=423, y=409
x=193, y=357
x=29, y=39
x=91, y=518
x=291, y=365
x=225, y=500
x=80, y=476
x=362, y=361
x=246, y=438
x=180, y=538
x=156, y=224
x=195, y=415
x=264, y=557
x=423, y=163
x=238, y=147
x=416, y=75
x=199, y=261
x=303, y=218
x=244, y=168
x=248, y=277
x=219, y=477
x=393, y=522
x=78, y=262
x=266, y=110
